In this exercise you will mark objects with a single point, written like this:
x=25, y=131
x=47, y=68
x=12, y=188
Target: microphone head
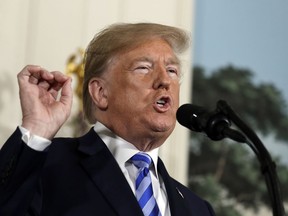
x=198, y=119
x=188, y=115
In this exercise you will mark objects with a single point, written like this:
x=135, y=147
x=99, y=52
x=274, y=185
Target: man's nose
x=161, y=78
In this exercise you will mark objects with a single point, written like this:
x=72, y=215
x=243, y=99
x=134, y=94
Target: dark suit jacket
x=77, y=177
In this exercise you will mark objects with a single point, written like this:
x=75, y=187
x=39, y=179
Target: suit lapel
x=104, y=171
x=175, y=197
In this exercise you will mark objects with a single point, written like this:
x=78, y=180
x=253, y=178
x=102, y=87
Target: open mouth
x=163, y=102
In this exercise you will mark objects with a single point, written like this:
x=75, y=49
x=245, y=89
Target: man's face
x=143, y=91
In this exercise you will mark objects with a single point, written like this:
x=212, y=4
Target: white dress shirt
x=122, y=152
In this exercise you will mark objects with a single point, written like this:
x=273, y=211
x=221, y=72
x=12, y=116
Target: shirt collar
x=120, y=148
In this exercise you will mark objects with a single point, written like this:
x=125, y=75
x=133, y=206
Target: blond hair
x=118, y=37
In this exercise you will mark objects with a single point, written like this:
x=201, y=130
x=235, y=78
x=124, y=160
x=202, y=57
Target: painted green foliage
x=225, y=172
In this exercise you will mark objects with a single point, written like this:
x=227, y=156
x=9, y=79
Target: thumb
x=66, y=96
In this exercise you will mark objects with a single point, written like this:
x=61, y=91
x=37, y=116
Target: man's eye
x=142, y=69
x=172, y=71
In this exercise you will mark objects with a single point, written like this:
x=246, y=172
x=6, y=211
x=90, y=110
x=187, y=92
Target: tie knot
x=141, y=160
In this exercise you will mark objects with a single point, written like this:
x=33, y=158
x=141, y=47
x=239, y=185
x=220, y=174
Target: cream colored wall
x=46, y=32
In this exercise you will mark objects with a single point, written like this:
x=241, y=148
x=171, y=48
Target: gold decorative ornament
x=75, y=67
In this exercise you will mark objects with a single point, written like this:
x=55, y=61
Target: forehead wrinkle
x=144, y=59
x=173, y=60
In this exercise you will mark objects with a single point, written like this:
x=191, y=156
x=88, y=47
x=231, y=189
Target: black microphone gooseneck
x=268, y=166
x=216, y=125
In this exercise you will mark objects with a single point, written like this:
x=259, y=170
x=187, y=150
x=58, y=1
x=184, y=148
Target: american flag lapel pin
x=179, y=192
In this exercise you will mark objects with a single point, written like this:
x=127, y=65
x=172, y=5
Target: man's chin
x=163, y=128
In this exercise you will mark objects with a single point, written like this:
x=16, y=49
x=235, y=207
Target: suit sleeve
x=20, y=168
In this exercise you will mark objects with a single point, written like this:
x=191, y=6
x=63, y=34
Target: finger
x=59, y=77
x=55, y=87
x=33, y=74
x=33, y=80
x=58, y=80
x=41, y=76
x=44, y=84
x=30, y=69
x=26, y=72
x=54, y=93
x=66, y=93
x=46, y=75
x=47, y=80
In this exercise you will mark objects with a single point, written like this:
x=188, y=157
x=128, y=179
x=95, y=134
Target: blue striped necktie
x=144, y=191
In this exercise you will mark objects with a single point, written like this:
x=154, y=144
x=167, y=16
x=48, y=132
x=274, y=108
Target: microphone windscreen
x=188, y=116
x=183, y=113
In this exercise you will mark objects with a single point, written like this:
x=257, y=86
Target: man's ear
x=98, y=93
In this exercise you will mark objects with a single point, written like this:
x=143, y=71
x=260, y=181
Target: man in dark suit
x=131, y=94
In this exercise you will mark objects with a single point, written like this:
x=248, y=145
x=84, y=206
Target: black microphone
x=215, y=124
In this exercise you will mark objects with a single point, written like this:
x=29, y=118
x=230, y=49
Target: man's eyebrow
x=172, y=60
x=134, y=61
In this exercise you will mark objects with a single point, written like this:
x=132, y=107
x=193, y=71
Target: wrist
x=39, y=128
